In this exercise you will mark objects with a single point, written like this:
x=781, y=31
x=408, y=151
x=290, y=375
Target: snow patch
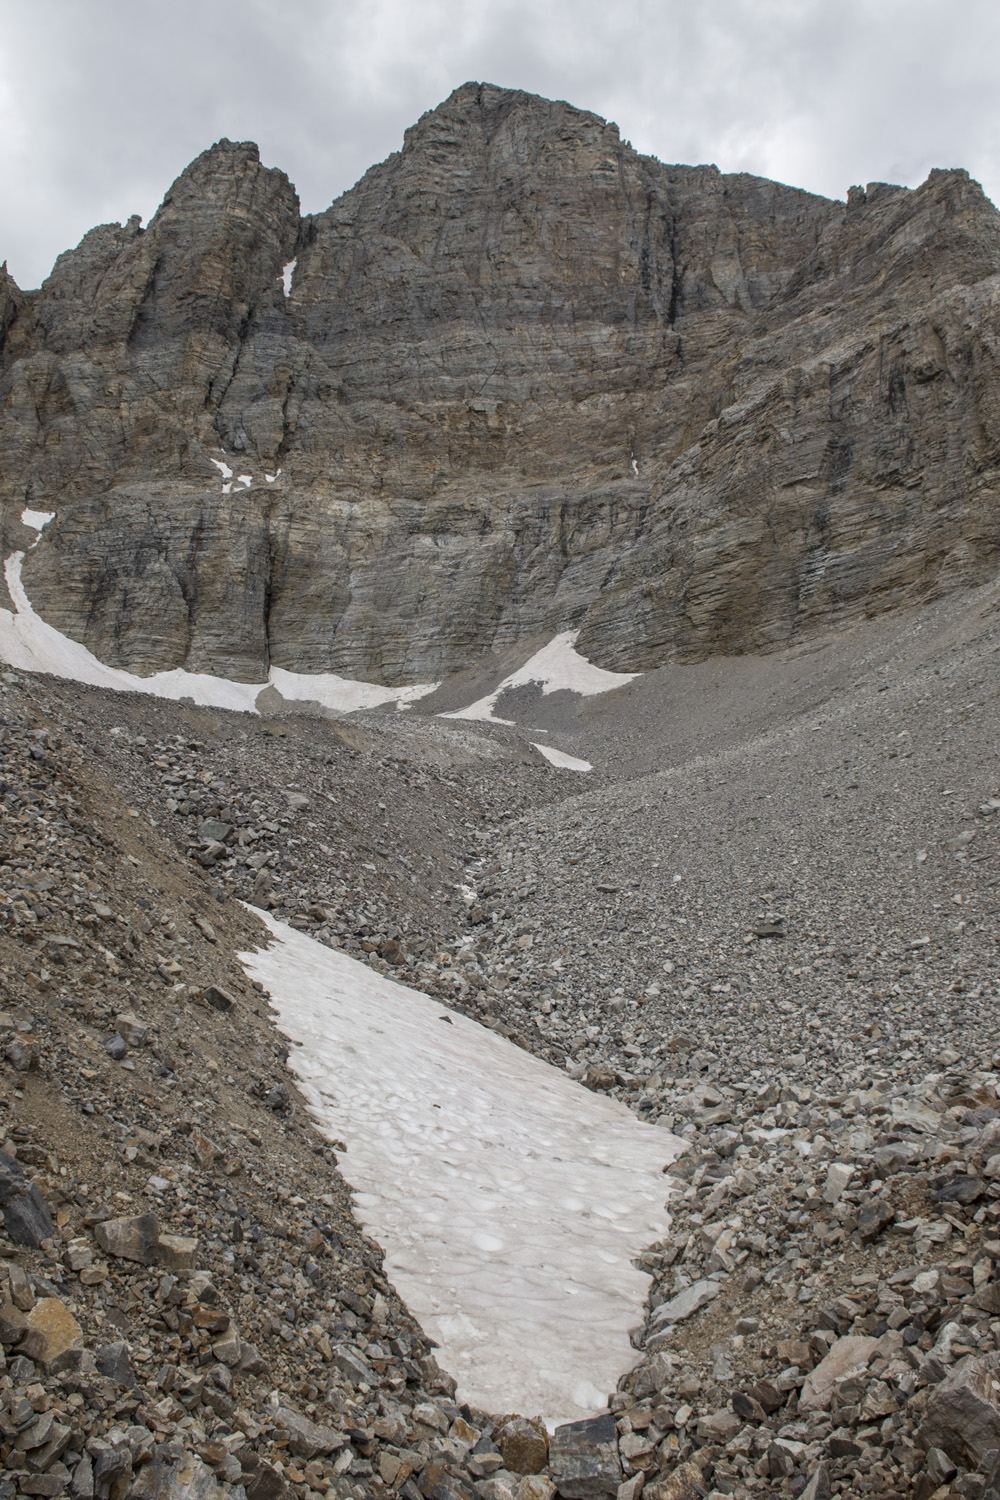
x=37, y=519
x=562, y=760
x=341, y=693
x=556, y=667
x=245, y=479
x=28, y=643
x=510, y=1201
x=287, y=272
x=223, y=469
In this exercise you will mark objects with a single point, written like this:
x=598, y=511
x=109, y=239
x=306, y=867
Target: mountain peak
x=520, y=380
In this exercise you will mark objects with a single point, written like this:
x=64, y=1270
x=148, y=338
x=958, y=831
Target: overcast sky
x=103, y=102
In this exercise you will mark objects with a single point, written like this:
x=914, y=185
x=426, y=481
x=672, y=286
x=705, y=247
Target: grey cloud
x=101, y=105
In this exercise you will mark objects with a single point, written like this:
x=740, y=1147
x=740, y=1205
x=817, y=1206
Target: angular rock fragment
x=685, y=1304
x=134, y=1238
x=177, y=1252
x=308, y=1439
x=685, y=1482
x=963, y=1412
x=51, y=1334
x=113, y=1360
x=583, y=1458
x=847, y=1357
x=187, y=1479
x=874, y=1216
x=26, y=1214
x=218, y=998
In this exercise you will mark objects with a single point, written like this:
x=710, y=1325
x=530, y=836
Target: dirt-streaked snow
x=341, y=693
x=510, y=1201
x=557, y=667
x=561, y=759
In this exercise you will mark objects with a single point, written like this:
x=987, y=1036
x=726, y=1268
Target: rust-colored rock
x=524, y=1444
x=51, y=1334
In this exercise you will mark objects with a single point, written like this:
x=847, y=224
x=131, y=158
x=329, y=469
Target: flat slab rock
x=848, y=1356
x=686, y=1303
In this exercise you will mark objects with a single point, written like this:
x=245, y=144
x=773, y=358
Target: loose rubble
x=786, y=955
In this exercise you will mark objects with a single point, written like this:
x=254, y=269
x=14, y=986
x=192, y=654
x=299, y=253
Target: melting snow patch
x=245, y=479
x=556, y=667
x=37, y=519
x=223, y=469
x=27, y=642
x=509, y=1200
x=287, y=272
x=341, y=693
x=562, y=760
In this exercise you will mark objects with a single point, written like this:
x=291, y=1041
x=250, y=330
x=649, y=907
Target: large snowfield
x=510, y=1201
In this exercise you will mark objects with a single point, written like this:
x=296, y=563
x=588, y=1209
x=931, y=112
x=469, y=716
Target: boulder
x=26, y=1214
x=133, y=1238
x=188, y=1479
x=848, y=1356
x=583, y=1458
x=52, y=1336
x=962, y=1415
x=523, y=1443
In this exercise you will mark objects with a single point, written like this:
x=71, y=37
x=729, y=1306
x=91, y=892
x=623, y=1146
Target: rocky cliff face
x=523, y=379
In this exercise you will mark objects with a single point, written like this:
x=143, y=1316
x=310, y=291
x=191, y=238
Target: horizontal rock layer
x=525, y=379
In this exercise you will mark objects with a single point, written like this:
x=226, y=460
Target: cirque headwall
x=520, y=379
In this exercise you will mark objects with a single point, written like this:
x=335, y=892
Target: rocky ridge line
x=524, y=380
